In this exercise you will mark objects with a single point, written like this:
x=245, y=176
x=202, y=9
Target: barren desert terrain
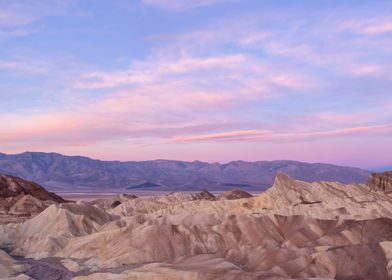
x=294, y=230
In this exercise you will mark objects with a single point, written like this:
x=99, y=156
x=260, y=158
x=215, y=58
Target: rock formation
x=234, y=194
x=294, y=230
x=21, y=197
x=381, y=181
x=203, y=195
x=108, y=203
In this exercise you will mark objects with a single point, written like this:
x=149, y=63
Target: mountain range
x=58, y=172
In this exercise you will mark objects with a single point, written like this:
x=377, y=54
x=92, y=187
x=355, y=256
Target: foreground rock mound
x=294, y=230
x=21, y=197
x=290, y=247
x=49, y=231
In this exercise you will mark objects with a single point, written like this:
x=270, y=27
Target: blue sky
x=213, y=80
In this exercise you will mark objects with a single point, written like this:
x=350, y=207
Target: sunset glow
x=210, y=80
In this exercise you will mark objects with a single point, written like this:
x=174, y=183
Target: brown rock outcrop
x=21, y=197
x=203, y=195
x=11, y=186
x=381, y=181
x=234, y=194
x=109, y=203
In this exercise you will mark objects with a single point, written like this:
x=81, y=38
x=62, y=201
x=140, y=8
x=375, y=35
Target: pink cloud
x=157, y=68
x=363, y=70
x=373, y=26
x=183, y=4
x=25, y=67
x=17, y=17
x=101, y=80
x=378, y=28
x=235, y=135
x=97, y=133
x=191, y=83
x=91, y=126
x=10, y=17
x=260, y=135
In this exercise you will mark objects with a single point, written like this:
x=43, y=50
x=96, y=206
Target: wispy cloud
x=22, y=66
x=384, y=27
x=231, y=135
x=265, y=135
x=145, y=72
x=17, y=17
x=367, y=70
x=183, y=4
x=374, y=26
x=235, y=76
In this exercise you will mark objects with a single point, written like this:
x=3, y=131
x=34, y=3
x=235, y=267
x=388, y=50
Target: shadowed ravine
x=49, y=268
x=52, y=268
x=46, y=268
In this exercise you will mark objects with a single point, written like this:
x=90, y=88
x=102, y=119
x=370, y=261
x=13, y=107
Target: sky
x=210, y=80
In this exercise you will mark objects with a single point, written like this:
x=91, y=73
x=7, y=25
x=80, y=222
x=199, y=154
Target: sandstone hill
x=59, y=172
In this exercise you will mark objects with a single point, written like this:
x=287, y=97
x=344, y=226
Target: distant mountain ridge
x=71, y=173
x=382, y=168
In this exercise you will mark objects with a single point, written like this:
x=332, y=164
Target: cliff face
x=381, y=181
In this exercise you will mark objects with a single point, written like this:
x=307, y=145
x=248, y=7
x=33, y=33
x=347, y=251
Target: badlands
x=293, y=230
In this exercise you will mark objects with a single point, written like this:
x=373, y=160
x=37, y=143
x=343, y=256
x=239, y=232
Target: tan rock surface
x=50, y=230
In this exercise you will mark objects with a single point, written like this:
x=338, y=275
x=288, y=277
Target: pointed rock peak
x=283, y=180
x=204, y=194
x=235, y=194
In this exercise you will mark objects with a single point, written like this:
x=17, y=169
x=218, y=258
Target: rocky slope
x=59, y=172
x=21, y=197
x=294, y=230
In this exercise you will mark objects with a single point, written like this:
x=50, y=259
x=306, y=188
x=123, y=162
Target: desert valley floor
x=293, y=230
